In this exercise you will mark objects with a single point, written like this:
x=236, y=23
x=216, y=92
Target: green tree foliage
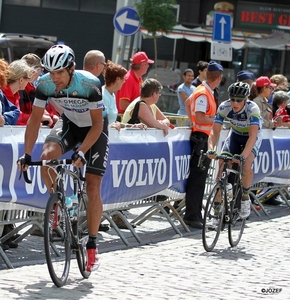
x=156, y=15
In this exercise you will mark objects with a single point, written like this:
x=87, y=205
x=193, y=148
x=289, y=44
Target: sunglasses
x=238, y=99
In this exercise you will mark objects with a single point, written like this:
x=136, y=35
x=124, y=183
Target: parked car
x=14, y=46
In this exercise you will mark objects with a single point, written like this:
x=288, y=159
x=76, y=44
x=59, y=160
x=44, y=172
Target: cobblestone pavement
x=175, y=268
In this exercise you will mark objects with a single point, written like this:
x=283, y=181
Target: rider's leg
x=247, y=181
x=94, y=215
x=95, y=205
x=248, y=175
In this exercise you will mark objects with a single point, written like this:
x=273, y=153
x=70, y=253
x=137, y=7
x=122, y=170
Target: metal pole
x=0, y=12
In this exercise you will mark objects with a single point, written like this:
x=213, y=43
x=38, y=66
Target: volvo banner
x=142, y=163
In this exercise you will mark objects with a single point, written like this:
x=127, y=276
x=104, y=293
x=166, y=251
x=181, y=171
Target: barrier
x=141, y=164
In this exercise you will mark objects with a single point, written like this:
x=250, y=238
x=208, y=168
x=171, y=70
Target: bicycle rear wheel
x=213, y=217
x=57, y=240
x=81, y=253
x=82, y=257
x=236, y=224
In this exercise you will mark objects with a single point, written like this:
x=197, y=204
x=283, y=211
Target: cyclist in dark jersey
x=78, y=94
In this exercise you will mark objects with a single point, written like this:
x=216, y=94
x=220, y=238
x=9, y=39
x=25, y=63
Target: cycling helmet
x=58, y=57
x=239, y=90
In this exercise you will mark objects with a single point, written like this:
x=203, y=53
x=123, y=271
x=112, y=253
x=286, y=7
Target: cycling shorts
x=68, y=135
x=235, y=144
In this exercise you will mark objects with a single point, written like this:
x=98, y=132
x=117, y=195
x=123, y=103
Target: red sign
x=265, y=16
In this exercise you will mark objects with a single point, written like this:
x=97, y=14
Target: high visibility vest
x=212, y=107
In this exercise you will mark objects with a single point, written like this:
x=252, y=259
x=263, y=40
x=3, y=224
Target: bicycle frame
x=224, y=181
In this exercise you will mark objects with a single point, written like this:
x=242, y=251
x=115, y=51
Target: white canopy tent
x=240, y=39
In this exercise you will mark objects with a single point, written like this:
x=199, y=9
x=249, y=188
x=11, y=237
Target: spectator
x=260, y=92
x=280, y=100
x=148, y=112
x=281, y=82
x=9, y=114
x=18, y=77
x=185, y=90
x=50, y=116
x=133, y=79
x=114, y=75
x=94, y=62
x=246, y=76
x=202, y=69
x=202, y=111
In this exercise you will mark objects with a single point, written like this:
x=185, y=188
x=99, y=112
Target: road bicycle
x=63, y=235
x=223, y=207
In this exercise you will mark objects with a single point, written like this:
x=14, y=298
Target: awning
x=240, y=39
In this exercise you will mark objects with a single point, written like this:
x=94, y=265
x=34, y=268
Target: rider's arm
x=213, y=136
x=32, y=128
x=253, y=132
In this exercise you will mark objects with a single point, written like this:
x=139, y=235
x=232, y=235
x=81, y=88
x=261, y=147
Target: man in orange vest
x=202, y=111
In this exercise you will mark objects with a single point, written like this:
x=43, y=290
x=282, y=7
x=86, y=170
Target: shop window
x=65, y=4
x=23, y=2
x=100, y=6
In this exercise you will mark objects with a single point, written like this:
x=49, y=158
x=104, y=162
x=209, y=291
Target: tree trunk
x=155, y=59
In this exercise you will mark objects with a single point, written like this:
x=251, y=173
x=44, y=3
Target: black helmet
x=239, y=90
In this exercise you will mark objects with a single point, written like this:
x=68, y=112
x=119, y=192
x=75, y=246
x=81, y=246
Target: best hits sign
x=265, y=16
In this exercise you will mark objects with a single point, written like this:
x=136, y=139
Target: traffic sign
x=222, y=28
x=221, y=51
x=127, y=21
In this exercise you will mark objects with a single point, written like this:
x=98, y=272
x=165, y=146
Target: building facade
x=260, y=28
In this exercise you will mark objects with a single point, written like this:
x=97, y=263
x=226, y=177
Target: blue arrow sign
x=127, y=21
x=222, y=28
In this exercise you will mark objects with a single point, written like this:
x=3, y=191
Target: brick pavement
x=176, y=268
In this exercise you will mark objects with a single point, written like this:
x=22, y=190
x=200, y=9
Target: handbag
x=134, y=118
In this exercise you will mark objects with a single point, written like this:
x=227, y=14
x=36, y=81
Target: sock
x=92, y=242
x=246, y=193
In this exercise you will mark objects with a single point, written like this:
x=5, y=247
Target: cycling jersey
x=82, y=95
x=241, y=121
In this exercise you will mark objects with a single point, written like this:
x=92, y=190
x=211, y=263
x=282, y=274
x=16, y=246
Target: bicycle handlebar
x=51, y=163
x=223, y=157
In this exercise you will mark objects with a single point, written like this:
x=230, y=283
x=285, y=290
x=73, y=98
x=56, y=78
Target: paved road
x=177, y=268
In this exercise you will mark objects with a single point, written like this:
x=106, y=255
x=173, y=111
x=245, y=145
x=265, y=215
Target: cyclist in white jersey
x=82, y=124
x=244, y=139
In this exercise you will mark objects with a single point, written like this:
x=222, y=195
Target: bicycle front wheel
x=236, y=224
x=57, y=240
x=213, y=217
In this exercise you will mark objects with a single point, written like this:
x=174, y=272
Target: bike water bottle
x=75, y=205
x=68, y=202
x=230, y=192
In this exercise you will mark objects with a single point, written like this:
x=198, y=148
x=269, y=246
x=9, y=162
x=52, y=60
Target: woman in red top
x=18, y=77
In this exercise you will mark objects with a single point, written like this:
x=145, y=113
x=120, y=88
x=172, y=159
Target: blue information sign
x=222, y=28
x=127, y=21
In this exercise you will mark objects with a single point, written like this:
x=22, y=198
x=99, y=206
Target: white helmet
x=58, y=57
